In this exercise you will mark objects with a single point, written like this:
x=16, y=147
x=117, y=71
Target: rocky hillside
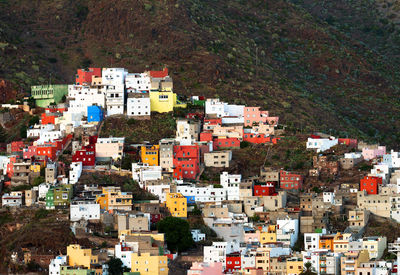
x=272, y=53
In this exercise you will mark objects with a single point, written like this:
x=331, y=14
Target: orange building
x=149, y=154
x=326, y=242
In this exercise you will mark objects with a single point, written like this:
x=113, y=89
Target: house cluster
x=269, y=223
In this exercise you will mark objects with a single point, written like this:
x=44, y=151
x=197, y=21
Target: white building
x=137, y=82
x=49, y=136
x=80, y=97
x=215, y=107
x=4, y=161
x=112, y=147
x=43, y=188
x=75, y=172
x=392, y=159
x=216, y=253
x=143, y=172
x=114, y=76
x=87, y=210
x=187, y=131
x=56, y=263
x=115, y=99
x=123, y=251
x=381, y=170
x=311, y=241
x=231, y=184
x=160, y=190
x=321, y=144
x=287, y=231
x=138, y=105
x=202, y=194
x=328, y=197
x=13, y=199
x=38, y=129
x=197, y=235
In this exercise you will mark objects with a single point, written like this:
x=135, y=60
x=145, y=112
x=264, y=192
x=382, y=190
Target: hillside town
x=188, y=204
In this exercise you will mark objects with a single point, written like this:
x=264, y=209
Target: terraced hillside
x=272, y=53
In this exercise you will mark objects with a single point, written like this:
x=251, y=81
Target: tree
x=22, y=131
x=3, y=134
x=38, y=180
x=177, y=233
x=308, y=269
x=115, y=266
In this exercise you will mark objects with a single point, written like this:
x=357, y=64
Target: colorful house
x=253, y=115
x=78, y=256
x=326, y=242
x=290, y=180
x=370, y=184
x=268, y=235
x=87, y=155
x=267, y=189
x=186, y=161
x=147, y=264
x=84, y=76
x=48, y=118
x=233, y=262
x=150, y=154
x=59, y=197
x=95, y=113
x=164, y=101
x=47, y=94
x=113, y=199
x=177, y=205
x=226, y=143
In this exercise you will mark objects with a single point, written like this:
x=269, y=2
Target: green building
x=59, y=197
x=44, y=95
x=69, y=270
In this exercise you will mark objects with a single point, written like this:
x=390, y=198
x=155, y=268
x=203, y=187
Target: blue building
x=95, y=113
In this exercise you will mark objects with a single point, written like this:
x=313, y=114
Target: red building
x=84, y=77
x=49, y=151
x=29, y=152
x=226, y=143
x=155, y=218
x=206, y=136
x=186, y=161
x=159, y=74
x=233, y=262
x=370, y=184
x=259, y=138
x=261, y=190
x=86, y=155
x=48, y=118
x=16, y=146
x=289, y=180
x=210, y=123
x=55, y=109
x=10, y=166
x=351, y=142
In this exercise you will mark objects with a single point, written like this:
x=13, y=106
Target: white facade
x=233, y=120
x=115, y=99
x=395, y=210
x=49, y=136
x=288, y=231
x=125, y=255
x=311, y=241
x=75, y=172
x=56, y=263
x=143, y=172
x=216, y=253
x=38, y=129
x=114, y=76
x=84, y=210
x=13, y=199
x=197, y=235
x=159, y=190
x=392, y=159
x=43, y=189
x=202, y=194
x=187, y=131
x=353, y=155
x=215, y=107
x=83, y=96
x=381, y=170
x=321, y=144
x=328, y=197
x=137, y=82
x=4, y=161
x=231, y=184
x=138, y=106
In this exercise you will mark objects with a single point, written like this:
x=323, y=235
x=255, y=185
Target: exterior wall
x=187, y=131
x=203, y=194
x=84, y=77
x=164, y=102
x=84, y=210
x=113, y=198
x=370, y=184
x=217, y=159
x=294, y=266
x=110, y=148
x=149, y=265
x=224, y=143
x=138, y=82
x=115, y=99
x=231, y=184
x=87, y=156
x=78, y=256
x=94, y=114
x=253, y=115
x=376, y=204
x=177, y=205
x=46, y=94
x=263, y=190
x=186, y=162
x=371, y=153
x=290, y=180
x=358, y=217
x=138, y=105
x=321, y=144
x=167, y=155
x=149, y=154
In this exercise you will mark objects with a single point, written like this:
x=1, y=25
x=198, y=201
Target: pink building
x=371, y=153
x=254, y=115
x=205, y=268
x=250, y=237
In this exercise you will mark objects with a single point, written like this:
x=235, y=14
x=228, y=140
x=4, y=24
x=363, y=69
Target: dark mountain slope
x=270, y=53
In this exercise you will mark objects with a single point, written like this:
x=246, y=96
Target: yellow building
x=177, y=205
x=113, y=199
x=268, y=236
x=263, y=259
x=35, y=168
x=149, y=154
x=341, y=242
x=149, y=265
x=294, y=266
x=164, y=101
x=78, y=256
x=156, y=236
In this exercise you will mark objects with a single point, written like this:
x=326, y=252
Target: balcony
x=349, y=268
x=349, y=261
x=323, y=265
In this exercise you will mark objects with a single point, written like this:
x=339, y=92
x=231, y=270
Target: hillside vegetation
x=272, y=53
